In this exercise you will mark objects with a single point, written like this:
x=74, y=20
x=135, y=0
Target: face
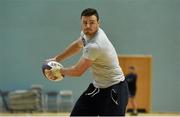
x=131, y=70
x=89, y=25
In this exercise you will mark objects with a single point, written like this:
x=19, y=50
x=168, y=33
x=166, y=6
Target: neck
x=90, y=36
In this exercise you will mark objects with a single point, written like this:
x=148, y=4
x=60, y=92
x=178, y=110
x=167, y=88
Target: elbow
x=79, y=73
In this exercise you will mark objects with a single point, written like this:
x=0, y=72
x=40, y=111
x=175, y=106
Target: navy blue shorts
x=111, y=101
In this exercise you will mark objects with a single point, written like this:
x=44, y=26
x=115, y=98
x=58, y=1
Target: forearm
x=72, y=71
x=72, y=49
x=78, y=69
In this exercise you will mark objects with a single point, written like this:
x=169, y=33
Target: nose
x=88, y=25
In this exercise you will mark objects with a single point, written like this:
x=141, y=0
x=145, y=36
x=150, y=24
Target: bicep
x=79, y=42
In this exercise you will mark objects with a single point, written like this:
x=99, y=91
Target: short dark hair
x=132, y=67
x=90, y=12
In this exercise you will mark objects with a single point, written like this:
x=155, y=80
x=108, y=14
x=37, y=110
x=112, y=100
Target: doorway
x=143, y=67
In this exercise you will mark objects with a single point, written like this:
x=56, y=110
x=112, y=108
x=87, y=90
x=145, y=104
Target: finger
x=48, y=73
x=51, y=59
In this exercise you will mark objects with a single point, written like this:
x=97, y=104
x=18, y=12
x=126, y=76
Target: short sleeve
x=91, y=51
x=81, y=34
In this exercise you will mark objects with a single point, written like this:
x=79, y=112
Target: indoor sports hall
x=144, y=33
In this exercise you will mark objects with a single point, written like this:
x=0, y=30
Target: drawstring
x=93, y=93
x=114, y=100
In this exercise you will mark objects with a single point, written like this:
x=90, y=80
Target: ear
x=99, y=21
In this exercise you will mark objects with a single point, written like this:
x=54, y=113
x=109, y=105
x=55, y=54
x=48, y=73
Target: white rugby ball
x=54, y=67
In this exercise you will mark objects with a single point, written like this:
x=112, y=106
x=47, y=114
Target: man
x=131, y=79
x=108, y=94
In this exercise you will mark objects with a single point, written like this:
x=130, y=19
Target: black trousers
x=111, y=101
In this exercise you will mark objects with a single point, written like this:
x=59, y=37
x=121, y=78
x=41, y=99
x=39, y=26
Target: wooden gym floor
x=67, y=114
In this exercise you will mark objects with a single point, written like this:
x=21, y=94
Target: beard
x=89, y=32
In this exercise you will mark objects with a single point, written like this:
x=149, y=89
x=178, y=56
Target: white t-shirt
x=105, y=68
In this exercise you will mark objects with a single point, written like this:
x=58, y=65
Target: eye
x=85, y=23
x=92, y=22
